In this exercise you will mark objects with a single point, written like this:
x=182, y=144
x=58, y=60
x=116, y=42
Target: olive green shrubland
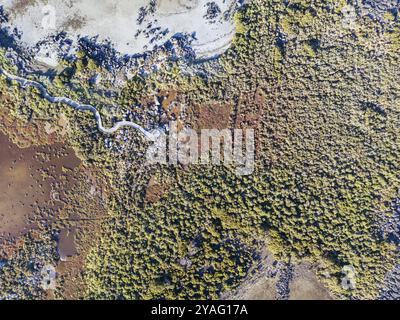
x=324, y=100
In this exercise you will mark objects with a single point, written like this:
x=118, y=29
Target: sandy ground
x=306, y=286
x=119, y=22
x=303, y=286
x=270, y=277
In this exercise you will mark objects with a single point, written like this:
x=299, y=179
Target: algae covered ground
x=318, y=81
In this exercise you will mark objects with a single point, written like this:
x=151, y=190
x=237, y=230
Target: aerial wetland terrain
x=88, y=87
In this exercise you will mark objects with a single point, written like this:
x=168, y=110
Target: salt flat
x=132, y=26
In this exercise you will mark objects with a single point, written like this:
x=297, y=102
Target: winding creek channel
x=77, y=106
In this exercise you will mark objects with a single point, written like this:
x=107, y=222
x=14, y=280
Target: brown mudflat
x=33, y=185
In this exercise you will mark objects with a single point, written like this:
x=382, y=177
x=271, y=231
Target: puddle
x=66, y=244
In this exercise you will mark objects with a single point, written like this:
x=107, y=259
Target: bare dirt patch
x=272, y=279
x=155, y=190
x=212, y=116
x=305, y=285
